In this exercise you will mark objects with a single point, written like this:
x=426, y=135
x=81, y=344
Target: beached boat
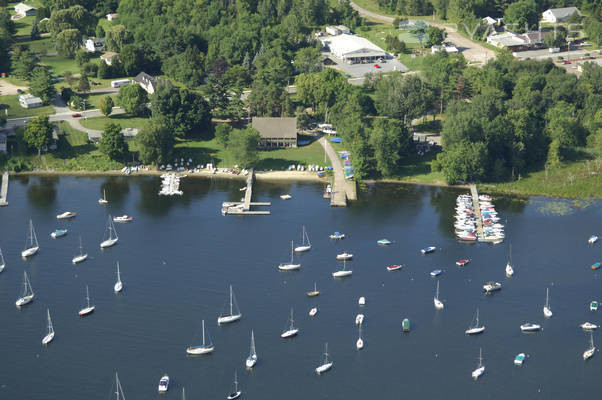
x=252, y=359
x=436, y=272
x=305, y=246
x=530, y=327
x=103, y=200
x=359, y=319
x=28, y=293
x=88, y=309
x=547, y=311
x=50, y=335
x=474, y=328
x=326, y=365
x=206, y=345
x=480, y=368
x=289, y=266
x=492, y=286
x=118, y=285
x=589, y=353
x=81, y=257
x=588, y=326
x=291, y=331
x=428, y=250
x=438, y=303
x=31, y=244
x=233, y=314
x=58, y=233
x=66, y=215
x=236, y=393
x=593, y=306
x=123, y=218
x=592, y=239
x=344, y=256
x=112, y=235
x=359, y=344
x=314, y=292
x=163, y=384
x=405, y=325
x=519, y=359
x=461, y=263
x=394, y=267
x=337, y=236
x=342, y=272
x=313, y=312
x=384, y=242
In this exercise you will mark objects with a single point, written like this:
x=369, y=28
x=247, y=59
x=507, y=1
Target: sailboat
x=252, y=359
x=291, y=331
x=50, y=335
x=438, y=303
x=360, y=342
x=119, y=395
x=118, y=285
x=304, y=246
x=480, y=368
x=475, y=329
x=204, y=348
x=311, y=293
x=231, y=317
x=290, y=266
x=81, y=257
x=547, y=311
x=28, y=294
x=589, y=353
x=113, y=238
x=326, y=365
x=2, y=263
x=509, y=268
x=342, y=272
x=104, y=198
x=32, y=242
x=236, y=393
x=88, y=309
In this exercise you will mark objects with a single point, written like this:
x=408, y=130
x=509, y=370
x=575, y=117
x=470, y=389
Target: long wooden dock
x=244, y=207
x=4, y=190
x=477, y=211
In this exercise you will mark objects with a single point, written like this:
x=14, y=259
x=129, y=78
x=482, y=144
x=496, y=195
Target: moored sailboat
x=304, y=246
x=509, y=267
x=118, y=285
x=234, y=313
x=326, y=365
x=89, y=309
x=314, y=292
x=119, y=395
x=290, y=266
x=438, y=303
x=475, y=329
x=342, y=272
x=81, y=257
x=236, y=393
x=360, y=342
x=31, y=244
x=480, y=368
x=291, y=331
x=103, y=200
x=205, y=347
x=50, y=335
x=589, y=353
x=252, y=359
x=547, y=311
x=2, y=262
x=28, y=294
x=113, y=238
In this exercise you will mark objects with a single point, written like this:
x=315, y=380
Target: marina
x=243, y=207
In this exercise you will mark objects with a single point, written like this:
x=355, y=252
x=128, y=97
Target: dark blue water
x=179, y=255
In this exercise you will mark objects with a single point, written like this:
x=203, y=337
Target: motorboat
x=394, y=267
x=436, y=272
x=530, y=327
x=291, y=331
x=592, y=239
x=405, y=325
x=595, y=265
x=359, y=319
x=428, y=250
x=337, y=236
x=252, y=359
x=206, y=345
x=306, y=244
x=593, y=306
x=492, y=286
x=480, y=368
x=588, y=326
x=123, y=218
x=28, y=293
x=475, y=329
x=326, y=365
x=286, y=197
x=88, y=309
x=233, y=314
x=384, y=242
x=289, y=266
x=362, y=301
x=344, y=256
x=164, y=384
x=461, y=263
x=66, y=215
x=313, y=312
x=58, y=233
x=519, y=359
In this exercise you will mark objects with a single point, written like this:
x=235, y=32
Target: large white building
x=25, y=10
x=554, y=15
x=353, y=49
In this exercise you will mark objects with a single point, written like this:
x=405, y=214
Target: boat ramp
x=244, y=207
x=4, y=190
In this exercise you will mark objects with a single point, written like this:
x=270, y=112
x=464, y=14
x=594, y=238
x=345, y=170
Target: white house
x=95, y=44
x=448, y=48
x=505, y=39
x=147, y=82
x=111, y=16
x=554, y=15
x=25, y=10
x=354, y=49
x=108, y=57
x=337, y=30
x=30, y=101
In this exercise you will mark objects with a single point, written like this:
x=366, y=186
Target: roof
x=98, y=40
x=345, y=44
x=490, y=21
x=29, y=99
x=22, y=7
x=108, y=55
x=505, y=39
x=565, y=12
x=145, y=79
x=275, y=127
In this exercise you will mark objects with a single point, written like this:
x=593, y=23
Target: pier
x=477, y=211
x=4, y=190
x=244, y=207
x=342, y=189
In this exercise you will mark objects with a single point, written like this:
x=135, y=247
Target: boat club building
x=275, y=132
x=353, y=49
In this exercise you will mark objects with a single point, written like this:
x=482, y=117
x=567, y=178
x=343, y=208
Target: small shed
x=25, y=10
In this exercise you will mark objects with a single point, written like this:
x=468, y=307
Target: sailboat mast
x=118, y=274
x=326, y=353
x=230, y=299
x=252, y=343
x=235, y=382
x=548, y=297
x=87, y=296
x=477, y=317
x=203, y=329
x=292, y=322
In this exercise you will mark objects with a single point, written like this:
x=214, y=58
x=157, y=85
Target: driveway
x=7, y=88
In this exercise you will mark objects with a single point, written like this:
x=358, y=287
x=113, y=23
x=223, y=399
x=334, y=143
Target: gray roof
x=565, y=12
x=145, y=79
x=272, y=128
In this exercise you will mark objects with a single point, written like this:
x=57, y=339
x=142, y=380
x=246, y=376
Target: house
x=95, y=44
x=447, y=47
x=30, y=101
x=109, y=57
x=354, y=49
x=129, y=133
x=111, y=16
x=337, y=30
x=554, y=15
x=489, y=21
x=25, y=10
x=276, y=132
x=507, y=40
x=147, y=82
x=3, y=142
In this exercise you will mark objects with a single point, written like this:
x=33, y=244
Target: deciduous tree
x=38, y=132
x=243, y=146
x=106, y=105
x=133, y=99
x=113, y=143
x=41, y=85
x=156, y=144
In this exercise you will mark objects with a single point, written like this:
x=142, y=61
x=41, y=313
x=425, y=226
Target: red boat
x=461, y=263
x=393, y=267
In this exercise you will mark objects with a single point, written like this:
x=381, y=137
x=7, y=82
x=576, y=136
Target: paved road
x=473, y=52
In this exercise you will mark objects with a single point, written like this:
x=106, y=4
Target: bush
x=90, y=69
x=18, y=165
x=66, y=94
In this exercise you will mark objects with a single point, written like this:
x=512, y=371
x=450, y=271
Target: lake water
x=180, y=254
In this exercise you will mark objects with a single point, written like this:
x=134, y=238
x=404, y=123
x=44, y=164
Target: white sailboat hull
x=547, y=312
x=2, y=267
x=118, y=287
x=290, y=333
x=323, y=368
x=234, y=395
x=228, y=319
x=341, y=273
x=78, y=259
x=313, y=312
x=30, y=252
x=438, y=304
x=48, y=338
x=478, y=372
x=530, y=327
x=359, y=344
x=475, y=331
x=102, y=201
x=344, y=256
x=359, y=319
x=509, y=270
x=589, y=353
x=24, y=300
x=289, y=267
x=86, y=311
x=195, y=350
x=300, y=249
x=108, y=243
x=251, y=361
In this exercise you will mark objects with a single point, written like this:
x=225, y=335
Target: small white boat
x=593, y=306
x=491, y=287
x=588, y=326
x=428, y=250
x=480, y=368
x=104, y=198
x=28, y=294
x=291, y=331
x=236, y=393
x=435, y=272
x=589, y=353
x=50, y=335
x=118, y=285
x=359, y=319
x=2, y=262
x=112, y=238
x=384, y=242
x=88, y=309
x=360, y=342
x=394, y=267
x=123, y=218
x=290, y=266
x=32, y=242
x=342, y=272
x=286, y=197
x=81, y=257
x=361, y=301
x=509, y=268
x=58, y=233
x=252, y=359
x=66, y=215
x=344, y=256
x=438, y=303
x=232, y=314
x=164, y=384
x=313, y=312
x=547, y=311
x=519, y=359
x=530, y=327
x=337, y=236
x=326, y=365
x=304, y=246
x=205, y=347
x=475, y=329
x=592, y=239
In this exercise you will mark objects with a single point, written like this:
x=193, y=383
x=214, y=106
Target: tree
x=156, y=144
x=186, y=67
x=387, y=138
x=68, y=41
x=106, y=105
x=41, y=85
x=435, y=36
x=24, y=61
x=4, y=49
x=401, y=97
x=133, y=99
x=243, y=146
x=74, y=17
x=82, y=57
x=38, y=132
x=222, y=134
x=35, y=31
x=307, y=60
x=521, y=16
x=557, y=38
x=464, y=162
x=83, y=85
x=112, y=142
x=69, y=79
x=117, y=37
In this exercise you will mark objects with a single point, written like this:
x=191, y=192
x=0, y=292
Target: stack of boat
x=465, y=225
x=170, y=186
x=492, y=229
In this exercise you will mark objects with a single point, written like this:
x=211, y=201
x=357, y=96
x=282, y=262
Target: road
x=473, y=52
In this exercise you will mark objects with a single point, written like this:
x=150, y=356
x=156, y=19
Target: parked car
x=376, y=66
x=76, y=115
x=566, y=62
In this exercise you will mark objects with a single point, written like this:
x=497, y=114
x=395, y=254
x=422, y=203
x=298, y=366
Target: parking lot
x=360, y=70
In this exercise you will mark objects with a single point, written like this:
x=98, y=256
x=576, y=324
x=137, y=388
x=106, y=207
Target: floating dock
x=477, y=211
x=4, y=190
x=244, y=207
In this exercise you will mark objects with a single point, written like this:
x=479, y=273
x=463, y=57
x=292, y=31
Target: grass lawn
x=60, y=64
x=125, y=120
x=377, y=32
x=94, y=99
x=24, y=25
x=40, y=46
x=16, y=111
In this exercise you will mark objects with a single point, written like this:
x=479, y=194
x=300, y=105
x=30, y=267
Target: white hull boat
x=118, y=285
x=438, y=303
x=252, y=359
x=529, y=327
x=475, y=329
x=111, y=240
x=50, y=335
x=291, y=331
x=204, y=348
x=236, y=393
x=547, y=311
x=313, y=312
x=66, y=215
x=304, y=246
x=28, y=294
x=2, y=263
x=519, y=359
x=344, y=256
x=326, y=365
x=104, y=198
x=31, y=242
x=290, y=266
x=88, y=309
x=588, y=326
x=163, y=384
x=359, y=319
x=232, y=316
x=589, y=353
x=480, y=368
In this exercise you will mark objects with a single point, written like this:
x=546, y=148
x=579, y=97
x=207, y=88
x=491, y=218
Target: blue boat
x=384, y=242
x=436, y=272
x=58, y=233
x=428, y=250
